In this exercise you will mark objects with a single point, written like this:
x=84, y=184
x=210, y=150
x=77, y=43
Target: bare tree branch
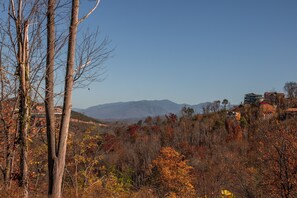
x=90, y=12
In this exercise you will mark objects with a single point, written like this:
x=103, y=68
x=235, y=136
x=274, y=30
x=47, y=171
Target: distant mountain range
x=136, y=109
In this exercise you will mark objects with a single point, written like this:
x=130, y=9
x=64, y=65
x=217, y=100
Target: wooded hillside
x=189, y=156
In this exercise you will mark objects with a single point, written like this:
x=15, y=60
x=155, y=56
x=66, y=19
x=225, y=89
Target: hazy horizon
x=144, y=100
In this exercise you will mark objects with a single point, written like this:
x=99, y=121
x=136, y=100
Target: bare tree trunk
x=57, y=151
x=59, y=164
x=49, y=93
x=23, y=92
x=24, y=107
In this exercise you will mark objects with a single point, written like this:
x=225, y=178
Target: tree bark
x=59, y=162
x=16, y=11
x=57, y=150
x=49, y=93
x=24, y=106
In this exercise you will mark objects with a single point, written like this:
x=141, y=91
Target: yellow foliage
x=109, y=186
x=174, y=173
x=143, y=192
x=227, y=194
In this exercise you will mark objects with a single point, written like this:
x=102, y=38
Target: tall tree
x=25, y=29
x=19, y=44
x=57, y=150
x=49, y=93
x=22, y=14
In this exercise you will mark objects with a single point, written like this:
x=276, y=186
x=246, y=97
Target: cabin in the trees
x=252, y=98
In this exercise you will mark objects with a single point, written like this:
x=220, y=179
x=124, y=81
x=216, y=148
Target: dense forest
x=191, y=155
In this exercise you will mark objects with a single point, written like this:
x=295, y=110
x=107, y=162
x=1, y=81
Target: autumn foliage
x=188, y=156
x=173, y=173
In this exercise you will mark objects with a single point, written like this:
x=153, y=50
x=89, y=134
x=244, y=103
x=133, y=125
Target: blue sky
x=193, y=51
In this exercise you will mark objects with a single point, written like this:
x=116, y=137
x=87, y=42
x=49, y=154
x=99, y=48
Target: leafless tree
x=49, y=97
x=22, y=15
x=291, y=89
x=29, y=60
x=90, y=57
x=7, y=116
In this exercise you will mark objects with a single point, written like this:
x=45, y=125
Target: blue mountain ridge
x=134, y=110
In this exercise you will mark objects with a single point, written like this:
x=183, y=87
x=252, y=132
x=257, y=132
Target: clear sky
x=193, y=51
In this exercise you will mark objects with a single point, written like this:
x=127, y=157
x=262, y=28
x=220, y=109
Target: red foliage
x=169, y=132
x=132, y=130
x=156, y=129
x=110, y=143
